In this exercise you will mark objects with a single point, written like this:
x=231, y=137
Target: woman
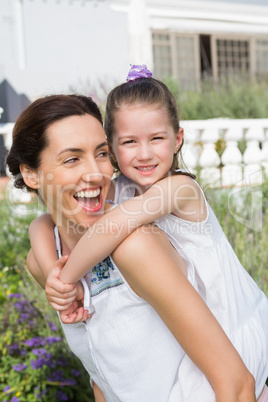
x=148, y=321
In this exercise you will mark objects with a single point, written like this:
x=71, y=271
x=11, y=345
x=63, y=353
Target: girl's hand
x=74, y=313
x=61, y=295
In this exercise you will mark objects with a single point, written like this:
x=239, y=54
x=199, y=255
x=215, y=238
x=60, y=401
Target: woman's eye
x=103, y=154
x=71, y=160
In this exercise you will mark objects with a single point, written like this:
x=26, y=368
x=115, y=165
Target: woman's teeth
x=88, y=193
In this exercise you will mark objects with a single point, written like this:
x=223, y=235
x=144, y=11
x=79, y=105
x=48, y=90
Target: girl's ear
x=179, y=140
x=30, y=176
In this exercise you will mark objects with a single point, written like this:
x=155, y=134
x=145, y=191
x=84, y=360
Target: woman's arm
x=150, y=264
x=174, y=194
x=41, y=233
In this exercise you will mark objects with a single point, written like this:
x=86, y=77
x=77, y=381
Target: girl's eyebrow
x=123, y=136
x=80, y=150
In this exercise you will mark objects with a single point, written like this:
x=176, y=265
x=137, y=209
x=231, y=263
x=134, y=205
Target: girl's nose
x=144, y=152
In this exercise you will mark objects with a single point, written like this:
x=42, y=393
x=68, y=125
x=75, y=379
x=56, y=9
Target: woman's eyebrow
x=70, y=150
x=103, y=144
x=80, y=149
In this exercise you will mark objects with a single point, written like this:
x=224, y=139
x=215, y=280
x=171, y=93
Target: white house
x=50, y=46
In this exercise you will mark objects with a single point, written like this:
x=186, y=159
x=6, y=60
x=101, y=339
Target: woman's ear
x=179, y=140
x=30, y=176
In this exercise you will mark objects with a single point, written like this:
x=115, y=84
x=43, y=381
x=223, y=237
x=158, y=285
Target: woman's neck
x=68, y=240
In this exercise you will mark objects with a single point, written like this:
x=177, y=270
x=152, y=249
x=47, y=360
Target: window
x=162, y=55
x=176, y=55
x=232, y=57
x=188, y=57
x=262, y=58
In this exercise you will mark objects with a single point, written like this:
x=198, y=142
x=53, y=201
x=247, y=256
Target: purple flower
x=56, y=376
x=19, y=367
x=76, y=373
x=39, y=352
x=36, y=364
x=44, y=359
x=70, y=381
x=52, y=339
x=14, y=399
x=15, y=296
x=62, y=396
x=36, y=341
x=13, y=348
x=6, y=389
x=52, y=326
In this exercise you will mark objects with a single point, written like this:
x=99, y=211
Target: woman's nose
x=92, y=173
x=89, y=177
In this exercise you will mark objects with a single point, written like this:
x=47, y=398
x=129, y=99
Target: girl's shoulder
x=188, y=198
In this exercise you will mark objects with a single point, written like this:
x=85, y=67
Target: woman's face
x=75, y=171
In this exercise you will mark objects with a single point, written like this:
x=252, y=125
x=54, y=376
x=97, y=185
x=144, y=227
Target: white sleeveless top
x=229, y=291
x=125, y=346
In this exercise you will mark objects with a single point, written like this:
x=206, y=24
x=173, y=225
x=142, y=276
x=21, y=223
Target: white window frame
x=172, y=43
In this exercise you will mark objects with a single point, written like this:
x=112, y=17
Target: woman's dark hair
x=30, y=130
x=144, y=91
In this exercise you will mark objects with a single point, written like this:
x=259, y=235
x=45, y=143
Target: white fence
x=243, y=161
x=244, y=143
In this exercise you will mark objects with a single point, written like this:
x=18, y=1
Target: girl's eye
x=157, y=138
x=128, y=142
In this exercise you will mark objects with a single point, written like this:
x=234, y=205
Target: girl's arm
x=150, y=265
x=177, y=194
x=62, y=297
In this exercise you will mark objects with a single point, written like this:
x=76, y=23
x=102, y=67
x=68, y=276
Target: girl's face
x=75, y=171
x=144, y=143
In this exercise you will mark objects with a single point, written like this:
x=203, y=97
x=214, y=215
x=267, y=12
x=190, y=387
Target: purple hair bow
x=138, y=71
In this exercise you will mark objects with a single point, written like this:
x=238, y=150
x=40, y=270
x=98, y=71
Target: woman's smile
x=89, y=199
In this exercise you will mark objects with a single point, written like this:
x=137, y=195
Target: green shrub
x=36, y=363
x=235, y=98
x=245, y=223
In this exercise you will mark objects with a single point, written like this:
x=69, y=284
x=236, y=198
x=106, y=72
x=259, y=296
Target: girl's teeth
x=146, y=168
x=88, y=193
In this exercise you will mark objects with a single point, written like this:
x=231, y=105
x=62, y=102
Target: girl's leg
x=99, y=397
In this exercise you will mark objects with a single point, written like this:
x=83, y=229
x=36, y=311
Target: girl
x=143, y=131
